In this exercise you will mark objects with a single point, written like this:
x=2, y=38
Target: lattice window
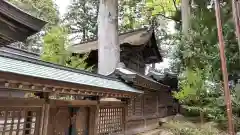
x=18, y=121
x=110, y=121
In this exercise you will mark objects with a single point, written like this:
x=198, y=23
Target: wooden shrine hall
x=125, y=103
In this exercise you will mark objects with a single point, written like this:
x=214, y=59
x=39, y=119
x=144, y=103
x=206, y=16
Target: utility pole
x=224, y=69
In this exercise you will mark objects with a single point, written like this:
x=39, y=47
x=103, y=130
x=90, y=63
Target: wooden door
x=61, y=121
x=82, y=119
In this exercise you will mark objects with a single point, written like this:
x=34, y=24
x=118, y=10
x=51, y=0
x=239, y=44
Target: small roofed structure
x=137, y=47
x=131, y=77
x=167, y=78
x=16, y=25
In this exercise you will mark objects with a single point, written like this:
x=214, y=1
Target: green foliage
x=132, y=15
x=166, y=7
x=192, y=86
x=78, y=62
x=199, y=52
x=81, y=19
x=55, y=43
x=189, y=128
x=193, y=91
x=54, y=46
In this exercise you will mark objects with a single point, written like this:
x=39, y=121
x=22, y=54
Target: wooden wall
x=145, y=111
x=133, y=58
x=140, y=114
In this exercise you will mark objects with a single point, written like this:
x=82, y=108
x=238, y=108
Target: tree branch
x=175, y=4
x=167, y=17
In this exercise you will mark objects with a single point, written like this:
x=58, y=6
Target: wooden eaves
x=16, y=25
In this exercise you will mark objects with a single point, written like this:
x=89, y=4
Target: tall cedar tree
x=81, y=19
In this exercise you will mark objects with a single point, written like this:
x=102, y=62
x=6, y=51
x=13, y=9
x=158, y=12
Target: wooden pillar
x=143, y=111
x=46, y=118
x=45, y=115
x=125, y=115
x=157, y=104
x=42, y=120
x=108, y=44
x=93, y=120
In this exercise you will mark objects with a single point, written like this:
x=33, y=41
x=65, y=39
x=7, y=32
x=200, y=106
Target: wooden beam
x=59, y=103
x=18, y=85
x=20, y=102
x=111, y=104
x=13, y=81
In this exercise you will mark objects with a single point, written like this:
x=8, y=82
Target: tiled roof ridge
x=22, y=50
x=52, y=65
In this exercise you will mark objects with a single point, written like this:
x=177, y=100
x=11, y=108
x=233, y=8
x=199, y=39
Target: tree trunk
x=108, y=44
x=185, y=10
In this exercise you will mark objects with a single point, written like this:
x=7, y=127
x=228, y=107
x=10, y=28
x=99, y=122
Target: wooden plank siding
x=145, y=111
x=118, y=118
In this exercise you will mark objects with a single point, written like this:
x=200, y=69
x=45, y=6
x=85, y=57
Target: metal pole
x=236, y=20
x=224, y=69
